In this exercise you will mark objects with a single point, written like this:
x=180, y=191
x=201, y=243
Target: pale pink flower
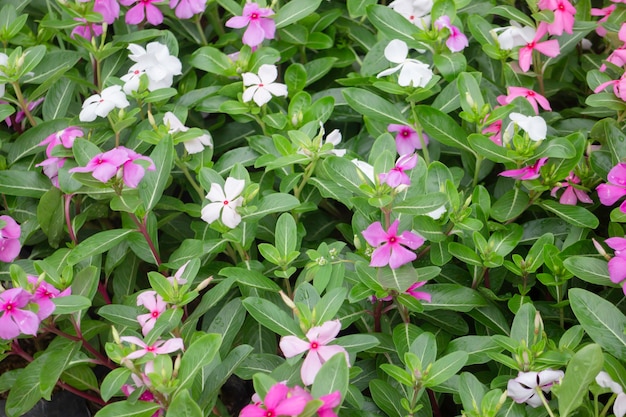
x=144, y=9
x=604, y=380
x=456, y=41
x=419, y=295
x=532, y=97
x=615, y=188
x=186, y=9
x=132, y=172
x=87, y=30
x=51, y=167
x=43, y=294
x=260, y=26
x=278, y=402
x=523, y=388
x=396, y=175
x=159, y=347
x=177, y=278
x=407, y=139
x=605, y=13
x=224, y=202
x=63, y=137
x=10, y=245
x=389, y=245
x=549, y=48
x=530, y=172
x=15, y=320
x=571, y=195
x=109, y=9
x=319, y=351
x=262, y=87
x=563, y=16
x=155, y=304
x=619, y=87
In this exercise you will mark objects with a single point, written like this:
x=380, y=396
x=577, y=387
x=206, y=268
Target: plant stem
x=191, y=180
x=144, y=231
x=68, y=219
x=23, y=104
x=197, y=21
x=479, y=161
x=544, y=401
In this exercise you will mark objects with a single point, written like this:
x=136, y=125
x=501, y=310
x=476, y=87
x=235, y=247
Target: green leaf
x=70, y=304
x=272, y=203
x=510, y=205
x=391, y=23
x=471, y=391
x=286, y=235
x=54, y=365
x=421, y=204
x=271, y=316
x=398, y=279
x=50, y=215
x=120, y=314
x=332, y=376
x=386, y=397
x=581, y=371
x=295, y=78
x=97, y=244
x=212, y=60
x=294, y=11
x=153, y=183
x=372, y=105
x=608, y=100
x=199, y=354
x=523, y=327
x=329, y=305
x=357, y=8
x=453, y=297
x=589, y=269
x=58, y=99
x=450, y=64
x=602, y=321
x=250, y=278
x=445, y=368
x=489, y=150
x=113, y=382
x=25, y=393
x=512, y=13
x=574, y=215
x=464, y=254
x=24, y=183
x=443, y=128
x=183, y=405
x=317, y=68
x=128, y=409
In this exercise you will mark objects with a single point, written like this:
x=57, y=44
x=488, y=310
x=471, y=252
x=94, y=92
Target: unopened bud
x=601, y=250
x=357, y=242
x=204, y=284
x=470, y=101
x=287, y=300
x=402, y=187
x=151, y=120
x=176, y=366
x=116, y=335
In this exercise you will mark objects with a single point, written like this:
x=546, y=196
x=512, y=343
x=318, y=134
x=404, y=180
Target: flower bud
x=116, y=335
x=287, y=300
x=205, y=283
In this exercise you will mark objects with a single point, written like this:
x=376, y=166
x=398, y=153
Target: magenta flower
x=20, y=115
x=43, y=295
x=14, y=320
x=419, y=295
x=278, y=402
x=10, y=245
x=331, y=401
x=615, y=188
x=456, y=41
x=63, y=137
x=133, y=172
x=396, y=175
x=317, y=346
x=617, y=264
x=530, y=172
x=105, y=166
x=496, y=129
x=260, y=27
x=619, y=87
x=109, y=9
x=563, y=15
x=155, y=304
x=144, y=9
x=86, y=30
x=532, y=97
x=571, y=195
x=523, y=389
x=185, y=9
x=389, y=249
x=407, y=139
x=157, y=348
x=549, y=48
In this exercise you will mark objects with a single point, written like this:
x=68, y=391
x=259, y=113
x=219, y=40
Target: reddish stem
x=100, y=358
x=433, y=403
x=68, y=219
x=102, y=289
x=144, y=231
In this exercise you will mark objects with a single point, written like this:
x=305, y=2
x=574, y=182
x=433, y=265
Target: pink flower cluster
x=617, y=264
x=120, y=161
x=22, y=310
x=389, y=245
x=281, y=400
x=572, y=194
x=407, y=139
x=52, y=164
x=563, y=15
x=615, y=188
x=10, y=245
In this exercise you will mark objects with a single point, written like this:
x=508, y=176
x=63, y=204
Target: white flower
x=514, y=35
x=412, y=71
x=605, y=381
x=224, y=202
x=415, y=11
x=535, y=126
x=4, y=58
x=365, y=168
x=262, y=87
x=102, y=104
x=437, y=213
x=333, y=138
x=156, y=62
x=131, y=81
x=194, y=145
x=523, y=389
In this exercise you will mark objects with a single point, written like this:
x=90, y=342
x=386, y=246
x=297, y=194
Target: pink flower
x=496, y=129
x=407, y=139
x=396, y=175
x=105, y=166
x=143, y=9
x=616, y=187
x=185, y=9
x=457, y=41
x=109, y=9
x=419, y=295
x=155, y=304
x=87, y=30
x=51, y=168
x=391, y=252
x=10, y=233
x=523, y=389
x=331, y=401
x=571, y=195
x=563, y=15
x=278, y=402
x=157, y=348
x=532, y=97
x=317, y=346
x=530, y=172
x=260, y=27
x=619, y=87
x=617, y=264
x=14, y=320
x=549, y=48
x=605, y=13
x=617, y=57
x=43, y=295
x=19, y=116
x=63, y=137
x=133, y=172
